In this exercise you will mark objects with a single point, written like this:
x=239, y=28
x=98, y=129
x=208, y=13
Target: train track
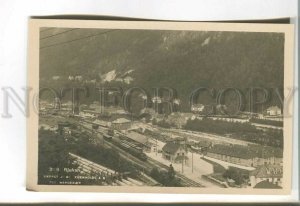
x=185, y=180
x=146, y=166
x=88, y=166
x=189, y=182
x=122, y=153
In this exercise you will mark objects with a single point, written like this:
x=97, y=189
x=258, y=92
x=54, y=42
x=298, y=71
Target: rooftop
x=137, y=137
x=267, y=171
x=171, y=147
x=266, y=151
x=232, y=150
x=247, y=152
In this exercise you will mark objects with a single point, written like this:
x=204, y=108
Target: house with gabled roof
x=174, y=151
x=231, y=153
x=246, y=155
x=267, y=174
x=121, y=124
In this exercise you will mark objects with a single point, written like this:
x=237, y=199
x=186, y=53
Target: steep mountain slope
x=184, y=60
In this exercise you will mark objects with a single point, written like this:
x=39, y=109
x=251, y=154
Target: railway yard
x=141, y=146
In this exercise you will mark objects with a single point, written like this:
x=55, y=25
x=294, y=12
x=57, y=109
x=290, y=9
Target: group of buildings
x=272, y=112
x=267, y=176
x=262, y=165
x=267, y=161
x=175, y=150
x=246, y=155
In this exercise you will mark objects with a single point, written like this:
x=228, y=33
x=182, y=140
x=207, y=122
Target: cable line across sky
x=57, y=34
x=73, y=40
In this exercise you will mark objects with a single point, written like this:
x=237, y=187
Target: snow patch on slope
x=109, y=76
x=206, y=41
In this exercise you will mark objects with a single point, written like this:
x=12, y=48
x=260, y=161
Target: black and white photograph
x=127, y=106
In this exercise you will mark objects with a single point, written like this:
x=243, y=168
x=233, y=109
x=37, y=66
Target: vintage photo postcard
x=160, y=107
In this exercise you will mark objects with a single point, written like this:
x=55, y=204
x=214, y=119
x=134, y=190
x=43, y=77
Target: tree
x=234, y=174
x=166, y=178
x=53, y=155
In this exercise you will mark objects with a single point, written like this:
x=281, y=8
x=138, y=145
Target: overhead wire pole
x=182, y=163
x=156, y=147
x=192, y=161
x=182, y=155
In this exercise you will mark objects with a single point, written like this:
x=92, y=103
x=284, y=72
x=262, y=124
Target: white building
x=274, y=111
x=55, y=78
x=197, y=107
x=78, y=78
x=174, y=152
x=128, y=79
x=269, y=173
